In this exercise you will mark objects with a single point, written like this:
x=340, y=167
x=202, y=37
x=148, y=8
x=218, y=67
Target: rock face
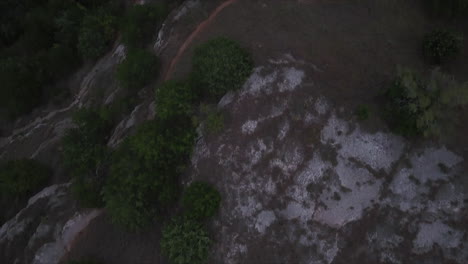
x=304, y=184
x=44, y=230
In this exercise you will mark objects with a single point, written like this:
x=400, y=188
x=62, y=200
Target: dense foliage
x=144, y=172
x=97, y=34
x=39, y=45
x=85, y=153
x=19, y=179
x=174, y=99
x=220, y=65
x=141, y=22
x=440, y=45
x=185, y=241
x=419, y=107
x=201, y=200
x=137, y=70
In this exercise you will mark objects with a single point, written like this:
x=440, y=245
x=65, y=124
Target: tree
x=140, y=24
x=185, y=241
x=418, y=107
x=85, y=154
x=97, y=32
x=201, y=200
x=137, y=70
x=144, y=172
x=440, y=45
x=174, y=99
x=220, y=65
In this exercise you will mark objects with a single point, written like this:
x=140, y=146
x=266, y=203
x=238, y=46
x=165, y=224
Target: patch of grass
x=185, y=241
x=201, y=200
x=362, y=112
x=220, y=65
x=214, y=119
x=441, y=45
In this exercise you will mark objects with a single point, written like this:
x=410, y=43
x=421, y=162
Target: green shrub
x=144, y=172
x=137, y=70
x=98, y=31
x=174, y=99
x=201, y=200
x=441, y=45
x=220, y=65
x=185, y=242
x=21, y=178
x=140, y=24
x=419, y=107
x=362, y=112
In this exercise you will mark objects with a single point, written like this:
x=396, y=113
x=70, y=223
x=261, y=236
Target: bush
x=85, y=261
x=85, y=154
x=201, y=200
x=140, y=24
x=418, y=107
x=219, y=66
x=441, y=45
x=174, y=99
x=21, y=178
x=98, y=31
x=185, y=242
x=144, y=172
x=137, y=70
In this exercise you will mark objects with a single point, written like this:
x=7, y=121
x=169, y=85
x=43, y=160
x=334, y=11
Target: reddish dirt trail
x=194, y=34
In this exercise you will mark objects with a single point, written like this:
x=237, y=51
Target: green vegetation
x=185, y=241
x=440, y=45
x=220, y=65
x=144, y=173
x=448, y=8
x=201, y=200
x=85, y=154
x=362, y=112
x=19, y=179
x=174, y=99
x=137, y=70
x=214, y=119
x=140, y=24
x=38, y=47
x=97, y=33
x=421, y=107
